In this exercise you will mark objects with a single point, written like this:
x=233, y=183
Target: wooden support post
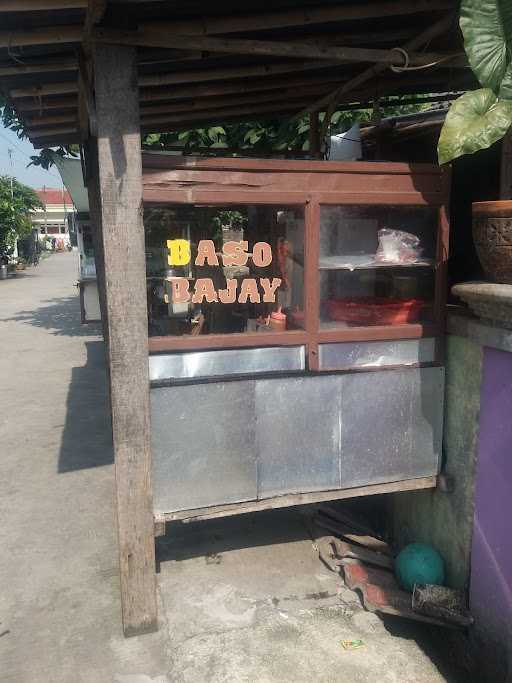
x=120, y=184
x=314, y=135
x=506, y=167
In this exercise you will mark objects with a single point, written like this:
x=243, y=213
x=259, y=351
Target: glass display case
x=295, y=310
x=353, y=252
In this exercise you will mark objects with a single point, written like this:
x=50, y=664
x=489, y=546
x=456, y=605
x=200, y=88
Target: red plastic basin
x=374, y=310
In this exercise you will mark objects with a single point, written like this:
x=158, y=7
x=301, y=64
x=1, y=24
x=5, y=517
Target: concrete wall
x=491, y=561
x=445, y=520
x=472, y=527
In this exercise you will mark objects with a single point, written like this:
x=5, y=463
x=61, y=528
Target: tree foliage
x=270, y=135
x=16, y=203
x=264, y=136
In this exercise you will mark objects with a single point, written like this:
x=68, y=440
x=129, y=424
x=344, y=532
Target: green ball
x=419, y=563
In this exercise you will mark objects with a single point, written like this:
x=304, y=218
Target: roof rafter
x=162, y=37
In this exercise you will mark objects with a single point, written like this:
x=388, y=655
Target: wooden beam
x=175, y=78
x=233, y=24
x=239, y=88
x=307, y=16
x=226, y=73
x=218, y=114
x=157, y=113
x=55, y=140
x=45, y=89
x=95, y=11
x=330, y=101
x=32, y=122
x=42, y=36
x=35, y=104
x=292, y=499
x=255, y=99
x=71, y=63
x=120, y=182
x=199, y=90
x=506, y=167
x=38, y=5
x=314, y=137
x=209, y=103
x=37, y=68
x=162, y=37
x=50, y=132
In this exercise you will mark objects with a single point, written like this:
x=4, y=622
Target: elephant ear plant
x=481, y=117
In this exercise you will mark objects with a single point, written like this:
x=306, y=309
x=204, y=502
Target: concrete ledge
x=479, y=331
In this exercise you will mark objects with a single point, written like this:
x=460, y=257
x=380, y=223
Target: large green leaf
x=475, y=121
x=487, y=29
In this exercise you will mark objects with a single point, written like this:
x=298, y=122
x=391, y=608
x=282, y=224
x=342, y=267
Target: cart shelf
x=363, y=262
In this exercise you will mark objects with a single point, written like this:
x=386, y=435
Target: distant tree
x=16, y=203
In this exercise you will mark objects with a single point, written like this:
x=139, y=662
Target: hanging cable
x=406, y=67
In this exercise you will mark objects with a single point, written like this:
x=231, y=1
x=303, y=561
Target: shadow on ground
x=447, y=648
x=87, y=435
x=220, y=541
x=212, y=537
x=60, y=316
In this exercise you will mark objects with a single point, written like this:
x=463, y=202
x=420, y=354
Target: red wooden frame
x=189, y=180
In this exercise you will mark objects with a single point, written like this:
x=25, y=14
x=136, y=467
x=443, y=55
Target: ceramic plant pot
x=492, y=234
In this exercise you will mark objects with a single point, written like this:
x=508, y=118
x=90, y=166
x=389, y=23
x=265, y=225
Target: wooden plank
x=292, y=499
x=69, y=64
x=257, y=97
x=227, y=73
x=40, y=105
x=34, y=121
x=506, y=167
x=45, y=89
x=227, y=341
x=218, y=114
x=199, y=76
x=312, y=280
x=50, y=132
x=229, y=24
x=306, y=16
x=120, y=180
x=314, y=134
x=163, y=37
x=38, y=5
x=42, y=36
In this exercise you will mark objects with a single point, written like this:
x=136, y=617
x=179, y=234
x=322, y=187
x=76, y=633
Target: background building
x=56, y=219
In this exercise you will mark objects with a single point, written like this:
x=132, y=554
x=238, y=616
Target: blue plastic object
x=419, y=563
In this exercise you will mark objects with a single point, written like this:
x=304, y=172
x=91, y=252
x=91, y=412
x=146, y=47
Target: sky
x=34, y=176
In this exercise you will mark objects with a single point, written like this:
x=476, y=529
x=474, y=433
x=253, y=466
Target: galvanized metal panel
x=203, y=444
x=391, y=425
x=225, y=442
x=298, y=434
x=345, y=355
x=222, y=362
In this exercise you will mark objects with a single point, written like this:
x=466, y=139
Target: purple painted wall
x=491, y=560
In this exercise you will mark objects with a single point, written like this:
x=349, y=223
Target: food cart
x=334, y=385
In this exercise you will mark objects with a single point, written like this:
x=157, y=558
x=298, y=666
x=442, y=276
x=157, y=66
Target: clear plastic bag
x=397, y=246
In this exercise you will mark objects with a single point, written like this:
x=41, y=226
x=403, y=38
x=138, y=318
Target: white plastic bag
x=397, y=246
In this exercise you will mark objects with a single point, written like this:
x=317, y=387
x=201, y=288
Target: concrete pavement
x=241, y=599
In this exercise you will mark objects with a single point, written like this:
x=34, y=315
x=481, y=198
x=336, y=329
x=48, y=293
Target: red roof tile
x=52, y=196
